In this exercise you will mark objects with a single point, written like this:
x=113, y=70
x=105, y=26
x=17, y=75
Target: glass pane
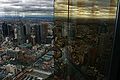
x=87, y=31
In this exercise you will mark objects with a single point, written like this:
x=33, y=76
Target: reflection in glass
x=89, y=27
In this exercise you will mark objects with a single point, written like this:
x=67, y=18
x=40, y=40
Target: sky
x=26, y=8
x=44, y=7
x=85, y=8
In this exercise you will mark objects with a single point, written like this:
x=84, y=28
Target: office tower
x=33, y=35
x=15, y=33
x=28, y=32
x=71, y=31
x=10, y=31
x=43, y=32
x=64, y=30
x=28, y=28
x=20, y=33
x=5, y=29
x=1, y=36
x=57, y=31
x=24, y=32
x=50, y=35
x=37, y=30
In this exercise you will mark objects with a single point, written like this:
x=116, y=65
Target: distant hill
x=41, y=18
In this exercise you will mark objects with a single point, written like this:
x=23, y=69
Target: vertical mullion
x=115, y=61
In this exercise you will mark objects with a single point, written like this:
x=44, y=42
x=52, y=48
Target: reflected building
x=113, y=3
x=90, y=34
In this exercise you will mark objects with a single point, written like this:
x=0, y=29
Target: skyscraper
x=5, y=29
x=43, y=32
x=10, y=31
x=33, y=35
x=39, y=33
x=20, y=33
x=1, y=36
x=37, y=30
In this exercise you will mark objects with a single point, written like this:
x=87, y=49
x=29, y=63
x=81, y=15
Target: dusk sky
x=86, y=8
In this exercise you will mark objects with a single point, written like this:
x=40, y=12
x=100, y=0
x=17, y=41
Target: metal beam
x=115, y=61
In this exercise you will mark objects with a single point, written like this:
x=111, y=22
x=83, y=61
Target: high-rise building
x=1, y=36
x=37, y=29
x=20, y=33
x=33, y=35
x=39, y=33
x=71, y=31
x=10, y=31
x=5, y=29
x=43, y=32
x=65, y=29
